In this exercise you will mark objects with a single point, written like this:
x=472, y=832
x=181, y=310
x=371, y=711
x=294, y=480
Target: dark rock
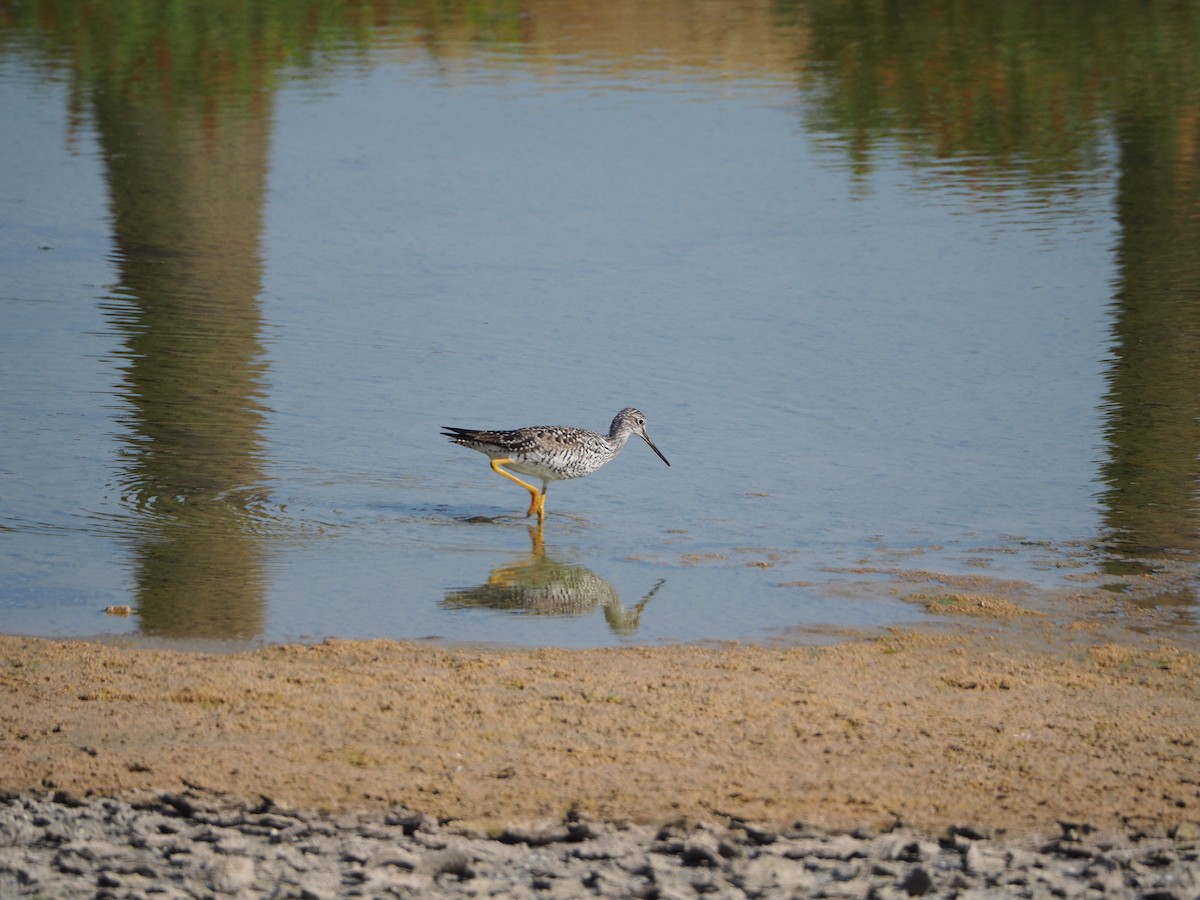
x=179, y=804
x=700, y=850
x=966, y=831
x=917, y=883
x=66, y=798
x=760, y=836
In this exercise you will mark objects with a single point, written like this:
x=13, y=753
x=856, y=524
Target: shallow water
x=869, y=332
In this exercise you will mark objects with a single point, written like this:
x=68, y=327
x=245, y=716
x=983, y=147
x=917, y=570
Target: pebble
x=183, y=845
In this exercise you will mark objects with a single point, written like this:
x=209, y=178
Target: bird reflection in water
x=540, y=585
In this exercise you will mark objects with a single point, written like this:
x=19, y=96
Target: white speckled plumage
x=553, y=452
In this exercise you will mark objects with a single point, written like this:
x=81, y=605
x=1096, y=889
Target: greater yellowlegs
x=552, y=452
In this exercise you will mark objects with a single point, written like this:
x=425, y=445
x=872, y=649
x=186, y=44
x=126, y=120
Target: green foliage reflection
x=1016, y=81
x=226, y=48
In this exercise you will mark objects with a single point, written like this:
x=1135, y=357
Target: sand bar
x=1011, y=728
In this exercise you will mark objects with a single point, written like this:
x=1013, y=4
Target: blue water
x=845, y=370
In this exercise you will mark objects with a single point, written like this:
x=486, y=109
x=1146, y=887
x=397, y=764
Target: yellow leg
x=537, y=499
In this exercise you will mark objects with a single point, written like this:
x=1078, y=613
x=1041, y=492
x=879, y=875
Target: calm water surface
x=880, y=320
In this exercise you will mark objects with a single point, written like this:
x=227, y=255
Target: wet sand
x=1011, y=726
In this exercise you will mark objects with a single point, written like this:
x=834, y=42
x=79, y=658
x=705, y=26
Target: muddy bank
x=929, y=730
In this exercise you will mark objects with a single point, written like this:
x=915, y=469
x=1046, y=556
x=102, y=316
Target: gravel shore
x=189, y=845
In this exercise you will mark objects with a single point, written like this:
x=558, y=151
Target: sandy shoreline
x=980, y=727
